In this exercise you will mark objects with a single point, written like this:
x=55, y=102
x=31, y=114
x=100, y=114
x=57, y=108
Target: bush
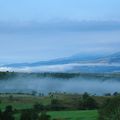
x=44, y=116
x=87, y=102
x=29, y=115
x=110, y=110
x=85, y=96
x=56, y=105
x=0, y=115
x=90, y=103
x=38, y=107
x=8, y=113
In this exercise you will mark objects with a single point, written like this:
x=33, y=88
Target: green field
x=21, y=102
x=61, y=115
x=72, y=115
x=75, y=115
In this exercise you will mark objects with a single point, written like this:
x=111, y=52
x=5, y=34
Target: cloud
x=61, y=26
x=73, y=85
x=73, y=67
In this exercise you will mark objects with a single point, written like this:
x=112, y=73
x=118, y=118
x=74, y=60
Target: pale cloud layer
x=41, y=30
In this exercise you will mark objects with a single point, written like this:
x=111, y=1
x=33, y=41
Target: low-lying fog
x=73, y=85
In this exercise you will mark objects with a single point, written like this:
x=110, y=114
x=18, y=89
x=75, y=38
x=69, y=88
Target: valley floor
x=24, y=101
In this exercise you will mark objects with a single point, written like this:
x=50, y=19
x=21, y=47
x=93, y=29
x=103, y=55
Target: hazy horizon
x=32, y=31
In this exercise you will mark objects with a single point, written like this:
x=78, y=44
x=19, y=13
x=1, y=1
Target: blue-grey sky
x=45, y=10
x=46, y=29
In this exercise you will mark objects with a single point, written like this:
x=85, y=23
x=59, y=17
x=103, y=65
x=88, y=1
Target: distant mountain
x=66, y=60
x=75, y=63
x=111, y=59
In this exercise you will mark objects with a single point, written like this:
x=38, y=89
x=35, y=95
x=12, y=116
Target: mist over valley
x=60, y=82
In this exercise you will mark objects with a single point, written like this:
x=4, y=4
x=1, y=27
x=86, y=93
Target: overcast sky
x=33, y=30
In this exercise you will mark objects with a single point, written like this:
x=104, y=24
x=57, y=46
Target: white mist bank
x=74, y=85
x=57, y=68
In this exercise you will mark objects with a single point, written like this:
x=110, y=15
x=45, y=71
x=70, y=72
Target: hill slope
x=75, y=63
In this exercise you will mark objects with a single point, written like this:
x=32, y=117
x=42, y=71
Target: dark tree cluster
x=7, y=114
x=56, y=105
x=33, y=115
x=36, y=113
x=87, y=102
x=110, y=109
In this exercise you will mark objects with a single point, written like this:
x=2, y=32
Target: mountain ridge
x=75, y=63
x=77, y=58
x=58, y=61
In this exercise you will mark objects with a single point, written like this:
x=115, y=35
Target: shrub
x=8, y=113
x=29, y=115
x=56, y=105
x=38, y=107
x=0, y=115
x=44, y=116
x=89, y=103
x=110, y=110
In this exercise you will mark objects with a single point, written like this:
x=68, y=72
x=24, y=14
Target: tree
x=85, y=96
x=56, y=105
x=44, y=116
x=0, y=115
x=38, y=107
x=116, y=94
x=8, y=113
x=90, y=103
x=108, y=94
x=110, y=109
x=11, y=97
x=29, y=115
x=34, y=93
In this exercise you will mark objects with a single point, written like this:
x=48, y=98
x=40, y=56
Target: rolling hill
x=75, y=63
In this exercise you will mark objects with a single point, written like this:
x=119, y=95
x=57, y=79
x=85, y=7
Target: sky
x=47, y=29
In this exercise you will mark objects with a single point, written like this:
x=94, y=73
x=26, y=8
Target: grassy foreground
x=71, y=115
x=75, y=115
x=20, y=102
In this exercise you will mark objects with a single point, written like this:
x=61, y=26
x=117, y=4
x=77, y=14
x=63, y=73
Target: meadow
x=58, y=105
x=22, y=102
x=75, y=115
